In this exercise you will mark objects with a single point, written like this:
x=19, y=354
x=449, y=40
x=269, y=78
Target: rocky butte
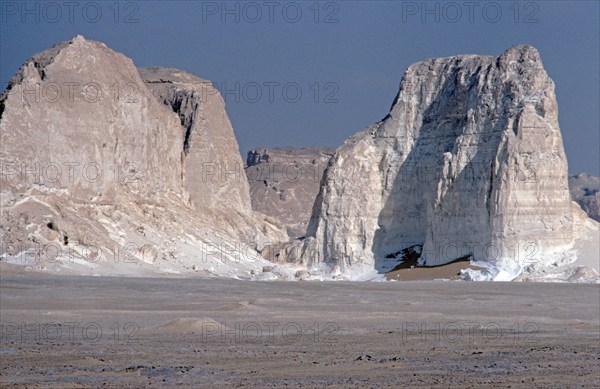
x=111, y=170
x=469, y=163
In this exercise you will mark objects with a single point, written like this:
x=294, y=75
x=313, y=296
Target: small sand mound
x=242, y=305
x=190, y=325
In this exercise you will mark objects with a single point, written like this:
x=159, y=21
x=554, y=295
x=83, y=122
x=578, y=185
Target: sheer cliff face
x=213, y=170
x=469, y=161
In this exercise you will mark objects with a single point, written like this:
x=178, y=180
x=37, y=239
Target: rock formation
x=275, y=172
x=585, y=190
x=77, y=117
x=469, y=162
x=284, y=183
x=107, y=169
x=100, y=175
x=212, y=165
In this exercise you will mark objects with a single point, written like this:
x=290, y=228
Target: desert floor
x=71, y=332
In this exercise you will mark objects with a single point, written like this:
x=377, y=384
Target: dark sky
x=309, y=73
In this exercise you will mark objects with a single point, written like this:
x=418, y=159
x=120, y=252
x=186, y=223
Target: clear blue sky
x=352, y=52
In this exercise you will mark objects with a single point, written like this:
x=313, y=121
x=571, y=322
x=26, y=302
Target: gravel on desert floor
x=76, y=332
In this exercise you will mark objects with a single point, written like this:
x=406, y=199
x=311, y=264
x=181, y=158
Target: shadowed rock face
x=213, y=170
x=103, y=166
x=213, y=167
x=585, y=190
x=284, y=183
x=469, y=161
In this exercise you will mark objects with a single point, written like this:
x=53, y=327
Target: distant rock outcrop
x=585, y=190
x=469, y=162
x=100, y=176
x=284, y=183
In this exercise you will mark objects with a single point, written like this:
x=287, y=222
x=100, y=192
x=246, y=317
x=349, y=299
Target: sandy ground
x=74, y=332
x=409, y=271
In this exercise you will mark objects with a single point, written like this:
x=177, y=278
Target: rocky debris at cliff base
x=88, y=239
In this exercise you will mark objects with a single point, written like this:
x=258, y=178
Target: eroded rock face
x=102, y=175
x=585, y=190
x=469, y=162
x=284, y=183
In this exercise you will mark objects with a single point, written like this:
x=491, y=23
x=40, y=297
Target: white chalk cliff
x=101, y=176
x=469, y=162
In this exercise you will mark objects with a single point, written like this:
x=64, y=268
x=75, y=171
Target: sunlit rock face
x=469, y=162
x=213, y=166
x=103, y=171
x=78, y=117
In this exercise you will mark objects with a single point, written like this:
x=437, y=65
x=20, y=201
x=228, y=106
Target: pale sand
x=203, y=333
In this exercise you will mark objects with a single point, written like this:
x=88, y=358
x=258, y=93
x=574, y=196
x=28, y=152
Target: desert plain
x=127, y=332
